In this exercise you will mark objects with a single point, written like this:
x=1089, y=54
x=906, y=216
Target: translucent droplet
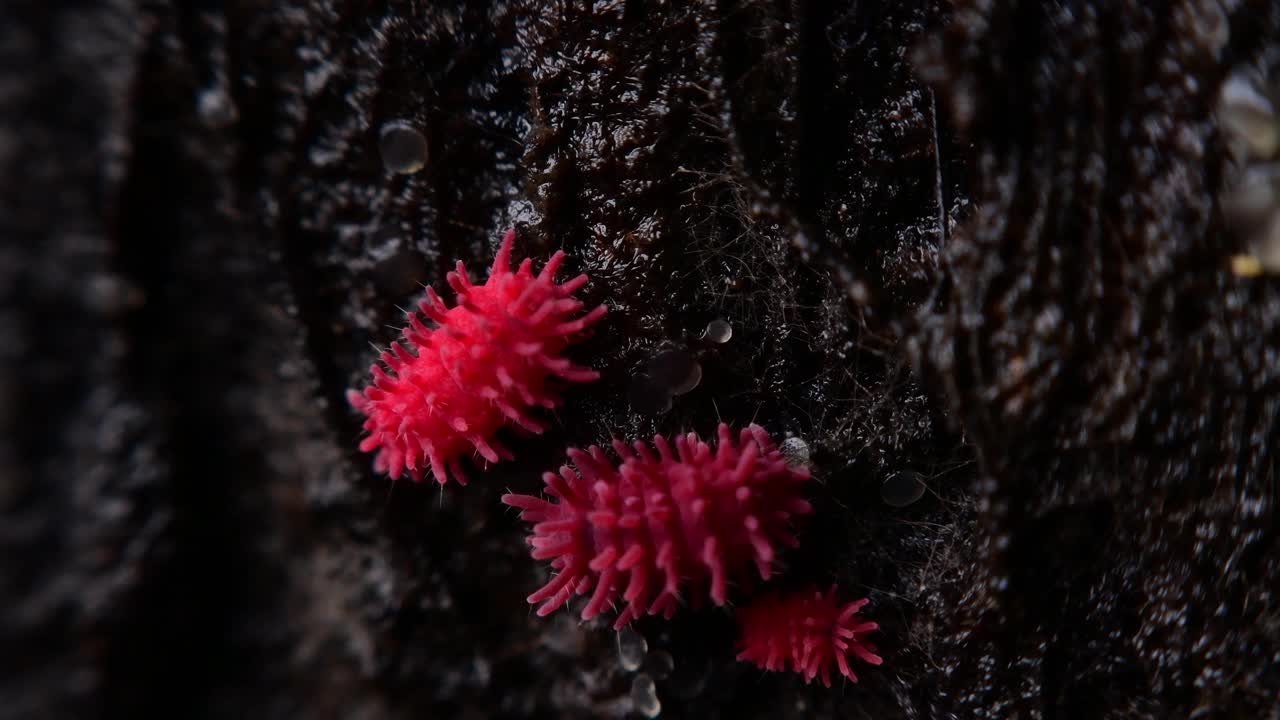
x=659, y=664
x=902, y=488
x=644, y=697
x=676, y=370
x=1212, y=28
x=1266, y=244
x=648, y=397
x=566, y=636
x=1248, y=117
x=690, y=381
x=631, y=649
x=795, y=450
x=111, y=294
x=403, y=148
x=718, y=331
x=216, y=107
x=1253, y=198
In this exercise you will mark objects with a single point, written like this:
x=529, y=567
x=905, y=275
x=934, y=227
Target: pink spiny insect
x=488, y=361
x=685, y=518
x=806, y=632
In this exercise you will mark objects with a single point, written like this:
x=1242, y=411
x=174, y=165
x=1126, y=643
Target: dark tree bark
x=975, y=245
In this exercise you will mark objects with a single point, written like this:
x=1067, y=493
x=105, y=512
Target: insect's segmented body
x=447, y=390
x=807, y=632
x=664, y=521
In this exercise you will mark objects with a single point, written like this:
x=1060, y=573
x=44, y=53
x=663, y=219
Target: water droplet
x=1253, y=197
x=902, y=488
x=718, y=331
x=1248, y=117
x=648, y=397
x=1252, y=207
x=566, y=636
x=644, y=697
x=690, y=381
x=216, y=107
x=795, y=450
x=403, y=148
x=631, y=649
x=659, y=664
x=1266, y=245
x=676, y=370
x=110, y=294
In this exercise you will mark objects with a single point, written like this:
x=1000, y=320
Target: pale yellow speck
x=1246, y=266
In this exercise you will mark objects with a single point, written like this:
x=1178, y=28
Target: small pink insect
x=488, y=362
x=688, y=518
x=807, y=632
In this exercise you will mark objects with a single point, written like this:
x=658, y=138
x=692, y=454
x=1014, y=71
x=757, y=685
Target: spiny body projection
x=659, y=524
x=489, y=361
x=807, y=632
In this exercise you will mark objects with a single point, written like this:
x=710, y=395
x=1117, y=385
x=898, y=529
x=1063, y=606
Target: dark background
x=974, y=243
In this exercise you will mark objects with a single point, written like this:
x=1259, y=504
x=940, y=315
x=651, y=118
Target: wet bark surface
x=972, y=245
